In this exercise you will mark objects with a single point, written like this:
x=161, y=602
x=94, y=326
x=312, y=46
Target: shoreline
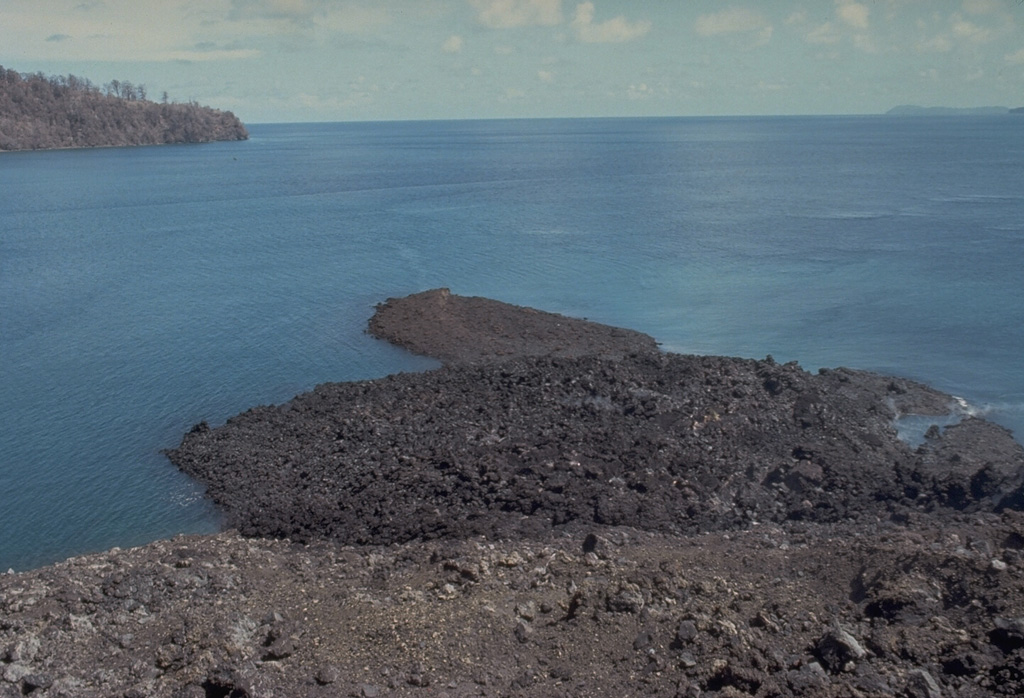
x=560, y=509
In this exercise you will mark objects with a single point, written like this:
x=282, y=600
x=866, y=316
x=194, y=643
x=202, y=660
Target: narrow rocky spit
x=561, y=509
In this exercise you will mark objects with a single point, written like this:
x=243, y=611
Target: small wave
x=965, y=409
x=989, y=409
x=911, y=428
x=852, y=215
x=977, y=199
x=549, y=232
x=185, y=500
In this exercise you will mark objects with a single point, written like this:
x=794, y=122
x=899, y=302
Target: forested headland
x=39, y=112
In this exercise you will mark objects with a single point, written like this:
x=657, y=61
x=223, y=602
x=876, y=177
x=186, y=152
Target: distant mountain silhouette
x=914, y=110
x=38, y=112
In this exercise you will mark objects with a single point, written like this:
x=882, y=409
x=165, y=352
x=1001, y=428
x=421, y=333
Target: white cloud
x=639, y=91
x=355, y=19
x=865, y=43
x=361, y=93
x=849, y=14
x=512, y=94
x=453, y=44
x=545, y=76
x=214, y=54
x=273, y=9
x=615, y=30
x=117, y=31
x=735, y=21
x=505, y=14
x=1015, y=58
x=351, y=18
x=936, y=44
x=824, y=34
x=853, y=13
x=981, y=7
x=970, y=31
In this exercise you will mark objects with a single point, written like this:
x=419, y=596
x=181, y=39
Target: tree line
x=39, y=111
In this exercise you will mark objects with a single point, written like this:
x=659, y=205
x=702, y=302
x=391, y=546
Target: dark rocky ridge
x=473, y=330
x=584, y=425
x=588, y=518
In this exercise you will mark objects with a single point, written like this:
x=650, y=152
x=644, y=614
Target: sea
x=143, y=290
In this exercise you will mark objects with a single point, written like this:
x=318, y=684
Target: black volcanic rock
x=461, y=329
x=582, y=515
x=549, y=424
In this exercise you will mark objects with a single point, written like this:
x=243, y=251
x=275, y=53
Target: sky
x=370, y=60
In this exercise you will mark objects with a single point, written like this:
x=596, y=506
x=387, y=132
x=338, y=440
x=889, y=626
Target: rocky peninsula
x=560, y=509
x=38, y=112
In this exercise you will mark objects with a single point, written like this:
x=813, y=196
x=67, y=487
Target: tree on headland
x=38, y=112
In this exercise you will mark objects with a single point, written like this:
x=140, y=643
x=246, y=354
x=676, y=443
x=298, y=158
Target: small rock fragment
x=282, y=640
x=420, y=679
x=326, y=675
x=628, y=599
x=686, y=632
x=14, y=673
x=25, y=650
x=1008, y=634
x=808, y=680
x=527, y=610
x=35, y=682
x=839, y=650
x=523, y=631
x=597, y=545
x=561, y=672
x=921, y=684
x=643, y=641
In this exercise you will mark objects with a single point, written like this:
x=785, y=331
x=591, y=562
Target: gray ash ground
x=560, y=510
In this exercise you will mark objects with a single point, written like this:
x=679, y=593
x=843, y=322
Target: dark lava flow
x=538, y=423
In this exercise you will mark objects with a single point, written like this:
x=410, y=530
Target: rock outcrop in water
x=561, y=509
x=539, y=423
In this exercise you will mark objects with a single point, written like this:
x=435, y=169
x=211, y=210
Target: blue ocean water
x=143, y=290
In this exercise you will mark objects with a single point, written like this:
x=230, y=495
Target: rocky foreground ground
x=560, y=510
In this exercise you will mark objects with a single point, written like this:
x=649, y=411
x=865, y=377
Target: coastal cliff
x=40, y=112
x=561, y=509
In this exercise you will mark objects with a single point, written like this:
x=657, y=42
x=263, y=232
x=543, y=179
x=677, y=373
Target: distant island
x=914, y=110
x=45, y=112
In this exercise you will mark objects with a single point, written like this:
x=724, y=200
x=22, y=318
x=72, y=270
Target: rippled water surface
x=143, y=290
